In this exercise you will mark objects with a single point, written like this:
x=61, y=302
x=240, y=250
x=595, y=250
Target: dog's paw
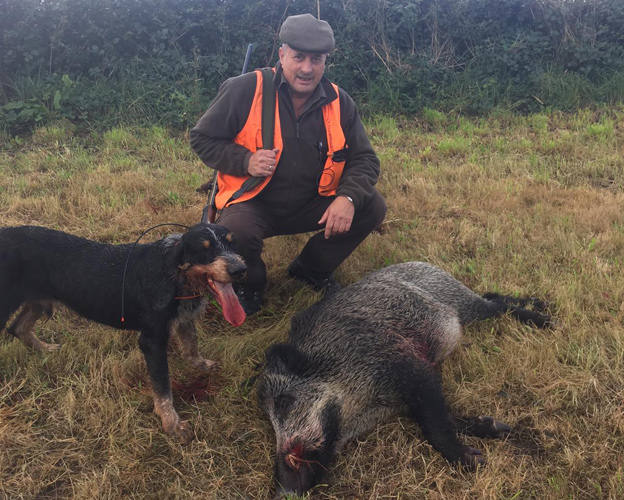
x=183, y=432
x=179, y=430
x=45, y=347
x=204, y=365
x=171, y=422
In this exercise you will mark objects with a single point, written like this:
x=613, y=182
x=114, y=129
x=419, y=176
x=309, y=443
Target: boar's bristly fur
x=367, y=353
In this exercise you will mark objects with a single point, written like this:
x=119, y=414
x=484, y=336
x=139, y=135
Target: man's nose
x=306, y=65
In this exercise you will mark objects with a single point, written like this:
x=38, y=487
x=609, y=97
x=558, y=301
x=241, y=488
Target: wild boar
x=367, y=353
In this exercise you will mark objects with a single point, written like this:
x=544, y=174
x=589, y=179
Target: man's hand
x=262, y=162
x=338, y=217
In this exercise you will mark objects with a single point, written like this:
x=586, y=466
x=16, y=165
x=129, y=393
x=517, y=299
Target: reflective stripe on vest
x=251, y=138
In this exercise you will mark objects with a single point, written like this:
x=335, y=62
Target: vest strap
x=268, y=126
x=268, y=108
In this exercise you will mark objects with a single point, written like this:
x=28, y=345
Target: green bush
x=106, y=62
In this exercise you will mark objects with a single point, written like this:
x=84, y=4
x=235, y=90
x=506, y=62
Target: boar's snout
x=297, y=473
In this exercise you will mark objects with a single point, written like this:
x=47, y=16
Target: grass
x=526, y=205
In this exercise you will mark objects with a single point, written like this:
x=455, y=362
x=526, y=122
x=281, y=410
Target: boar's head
x=305, y=417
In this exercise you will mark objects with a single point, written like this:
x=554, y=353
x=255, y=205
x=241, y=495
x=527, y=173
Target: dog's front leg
x=153, y=344
x=187, y=336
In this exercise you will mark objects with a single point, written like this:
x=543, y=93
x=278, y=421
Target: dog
x=157, y=288
x=368, y=352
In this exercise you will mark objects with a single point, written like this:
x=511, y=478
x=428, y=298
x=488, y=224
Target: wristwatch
x=349, y=198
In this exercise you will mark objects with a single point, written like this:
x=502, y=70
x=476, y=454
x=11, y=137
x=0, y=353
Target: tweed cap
x=306, y=33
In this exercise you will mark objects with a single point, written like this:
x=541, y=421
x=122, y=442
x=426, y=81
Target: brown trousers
x=252, y=221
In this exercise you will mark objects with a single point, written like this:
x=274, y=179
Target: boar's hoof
x=488, y=427
x=471, y=457
x=484, y=427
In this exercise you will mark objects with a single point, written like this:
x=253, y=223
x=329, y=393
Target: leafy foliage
x=162, y=60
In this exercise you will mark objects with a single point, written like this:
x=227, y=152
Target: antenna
x=318, y=9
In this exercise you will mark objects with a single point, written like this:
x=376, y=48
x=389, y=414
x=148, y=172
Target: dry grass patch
x=527, y=205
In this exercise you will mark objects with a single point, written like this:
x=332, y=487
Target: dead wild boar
x=368, y=352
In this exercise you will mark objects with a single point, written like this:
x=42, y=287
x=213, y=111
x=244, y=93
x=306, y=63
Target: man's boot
x=319, y=283
x=250, y=300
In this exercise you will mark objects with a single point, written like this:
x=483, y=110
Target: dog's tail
x=518, y=308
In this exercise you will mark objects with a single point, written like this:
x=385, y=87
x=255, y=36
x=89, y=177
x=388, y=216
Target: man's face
x=302, y=70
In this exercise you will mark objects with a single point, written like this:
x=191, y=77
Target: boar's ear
x=285, y=358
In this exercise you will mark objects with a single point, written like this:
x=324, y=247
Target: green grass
x=519, y=205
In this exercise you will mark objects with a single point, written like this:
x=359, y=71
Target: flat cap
x=306, y=33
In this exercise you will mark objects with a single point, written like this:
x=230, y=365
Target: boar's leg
x=482, y=427
x=421, y=390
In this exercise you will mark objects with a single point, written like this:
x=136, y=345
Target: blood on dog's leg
x=153, y=344
x=187, y=336
x=26, y=319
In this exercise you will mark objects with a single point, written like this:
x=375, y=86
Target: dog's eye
x=206, y=244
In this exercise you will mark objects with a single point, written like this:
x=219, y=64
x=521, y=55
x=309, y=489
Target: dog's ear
x=286, y=358
x=175, y=253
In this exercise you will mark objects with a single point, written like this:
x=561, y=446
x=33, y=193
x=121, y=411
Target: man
x=320, y=173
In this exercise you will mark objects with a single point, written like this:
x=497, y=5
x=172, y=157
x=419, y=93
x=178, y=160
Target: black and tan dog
x=163, y=291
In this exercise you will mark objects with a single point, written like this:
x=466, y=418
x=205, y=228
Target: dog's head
x=207, y=262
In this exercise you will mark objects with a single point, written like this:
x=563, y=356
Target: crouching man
x=319, y=174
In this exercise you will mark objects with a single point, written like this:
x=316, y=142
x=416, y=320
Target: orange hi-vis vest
x=251, y=138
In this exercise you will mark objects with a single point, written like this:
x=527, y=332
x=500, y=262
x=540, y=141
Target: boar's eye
x=283, y=405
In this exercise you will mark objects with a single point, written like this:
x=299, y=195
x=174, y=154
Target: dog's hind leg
x=153, y=344
x=187, y=337
x=9, y=303
x=22, y=326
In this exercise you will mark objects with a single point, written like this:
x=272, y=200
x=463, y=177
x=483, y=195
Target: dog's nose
x=237, y=269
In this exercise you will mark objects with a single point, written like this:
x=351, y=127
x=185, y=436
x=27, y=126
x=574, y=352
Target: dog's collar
x=189, y=297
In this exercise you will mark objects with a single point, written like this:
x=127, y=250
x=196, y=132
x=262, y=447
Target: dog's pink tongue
x=232, y=310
